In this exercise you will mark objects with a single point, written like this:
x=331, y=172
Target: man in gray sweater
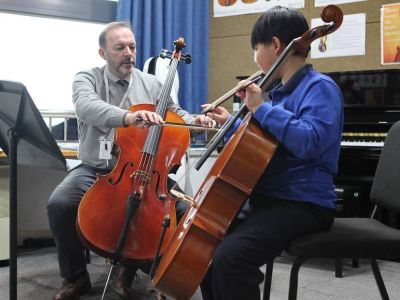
x=102, y=97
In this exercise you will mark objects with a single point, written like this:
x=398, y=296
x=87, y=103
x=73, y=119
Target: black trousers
x=62, y=211
x=260, y=236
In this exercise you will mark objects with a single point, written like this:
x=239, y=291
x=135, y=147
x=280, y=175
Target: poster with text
x=223, y=8
x=390, y=34
x=319, y=3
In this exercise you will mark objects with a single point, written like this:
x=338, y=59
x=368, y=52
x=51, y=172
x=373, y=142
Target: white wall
x=45, y=53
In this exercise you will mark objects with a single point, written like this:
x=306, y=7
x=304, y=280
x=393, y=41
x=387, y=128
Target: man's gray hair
x=112, y=25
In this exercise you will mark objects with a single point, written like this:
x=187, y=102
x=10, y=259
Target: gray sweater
x=96, y=117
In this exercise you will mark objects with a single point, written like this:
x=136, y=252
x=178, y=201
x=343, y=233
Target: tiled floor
x=38, y=275
x=38, y=279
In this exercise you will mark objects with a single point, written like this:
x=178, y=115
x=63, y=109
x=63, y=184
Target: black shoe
x=122, y=281
x=72, y=289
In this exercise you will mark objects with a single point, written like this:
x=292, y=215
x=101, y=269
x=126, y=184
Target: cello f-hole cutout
x=110, y=180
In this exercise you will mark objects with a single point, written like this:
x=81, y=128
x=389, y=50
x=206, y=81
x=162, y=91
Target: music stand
x=26, y=140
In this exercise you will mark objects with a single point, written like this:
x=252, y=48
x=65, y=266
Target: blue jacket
x=306, y=116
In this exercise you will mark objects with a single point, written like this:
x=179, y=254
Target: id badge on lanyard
x=105, y=148
x=106, y=141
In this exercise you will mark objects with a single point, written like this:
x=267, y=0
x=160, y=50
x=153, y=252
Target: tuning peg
x=187, y=58
x=166, y=54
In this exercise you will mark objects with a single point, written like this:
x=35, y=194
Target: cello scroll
x=330, y=14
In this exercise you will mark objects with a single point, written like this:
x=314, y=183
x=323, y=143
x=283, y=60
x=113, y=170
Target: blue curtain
x=157, y=23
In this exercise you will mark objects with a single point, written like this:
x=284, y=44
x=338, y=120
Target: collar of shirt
x=114, y=78
x=293, y=81
x=117, y=91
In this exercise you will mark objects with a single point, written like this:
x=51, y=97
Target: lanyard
x=110, y=132
x=108, y=90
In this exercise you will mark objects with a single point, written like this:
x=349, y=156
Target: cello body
x=228, y=184
x=102, y=211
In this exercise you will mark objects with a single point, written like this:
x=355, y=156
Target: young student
x=295, y=195
x=102, y=97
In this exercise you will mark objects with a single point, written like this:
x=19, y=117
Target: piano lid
x=369, y=88
x=371, y=115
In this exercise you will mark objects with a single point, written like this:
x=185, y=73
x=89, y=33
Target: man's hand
x=142, y=119
x=205, y=121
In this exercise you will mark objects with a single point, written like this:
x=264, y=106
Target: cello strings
x=155, y=134
x=151, y=144
x=261, y=80
x=251, y=79
x=190, y=165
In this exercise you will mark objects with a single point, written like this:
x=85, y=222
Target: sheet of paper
x=223, y=8
x=347, y=40
x=319, y=3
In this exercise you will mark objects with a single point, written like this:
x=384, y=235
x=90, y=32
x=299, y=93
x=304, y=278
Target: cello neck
x=167, y=87
x=153, y=138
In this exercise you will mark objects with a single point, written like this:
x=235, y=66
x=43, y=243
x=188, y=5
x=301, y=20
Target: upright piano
x=372, y=106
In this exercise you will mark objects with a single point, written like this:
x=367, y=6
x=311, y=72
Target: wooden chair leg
x=379, y=280
x=268, y=279
x=338, y=268
x=294, y=275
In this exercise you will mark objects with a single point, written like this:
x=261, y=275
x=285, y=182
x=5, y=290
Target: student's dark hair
x=282, y=22
x=112, y=25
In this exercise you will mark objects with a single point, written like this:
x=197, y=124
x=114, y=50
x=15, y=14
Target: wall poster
x=390, y=34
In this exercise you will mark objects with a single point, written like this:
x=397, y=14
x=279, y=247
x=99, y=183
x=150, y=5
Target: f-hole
x=128, y=164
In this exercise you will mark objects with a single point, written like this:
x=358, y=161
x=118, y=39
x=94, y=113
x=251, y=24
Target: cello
x=120, y=217
x=227, y=185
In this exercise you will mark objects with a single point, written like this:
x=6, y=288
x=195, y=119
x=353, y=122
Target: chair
x=365, y=238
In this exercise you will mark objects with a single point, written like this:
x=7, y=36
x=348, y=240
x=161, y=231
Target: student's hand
x=205, y=121
x=219, y=114
x=142, y=119
x=252, y=97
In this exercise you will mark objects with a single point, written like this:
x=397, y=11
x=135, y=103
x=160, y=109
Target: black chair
x=364, y=238
x=72, y=130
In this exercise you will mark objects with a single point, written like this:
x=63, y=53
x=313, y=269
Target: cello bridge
x=142, y=175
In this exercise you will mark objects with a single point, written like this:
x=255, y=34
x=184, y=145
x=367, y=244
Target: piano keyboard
x=361, y=144
x=363, y=139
